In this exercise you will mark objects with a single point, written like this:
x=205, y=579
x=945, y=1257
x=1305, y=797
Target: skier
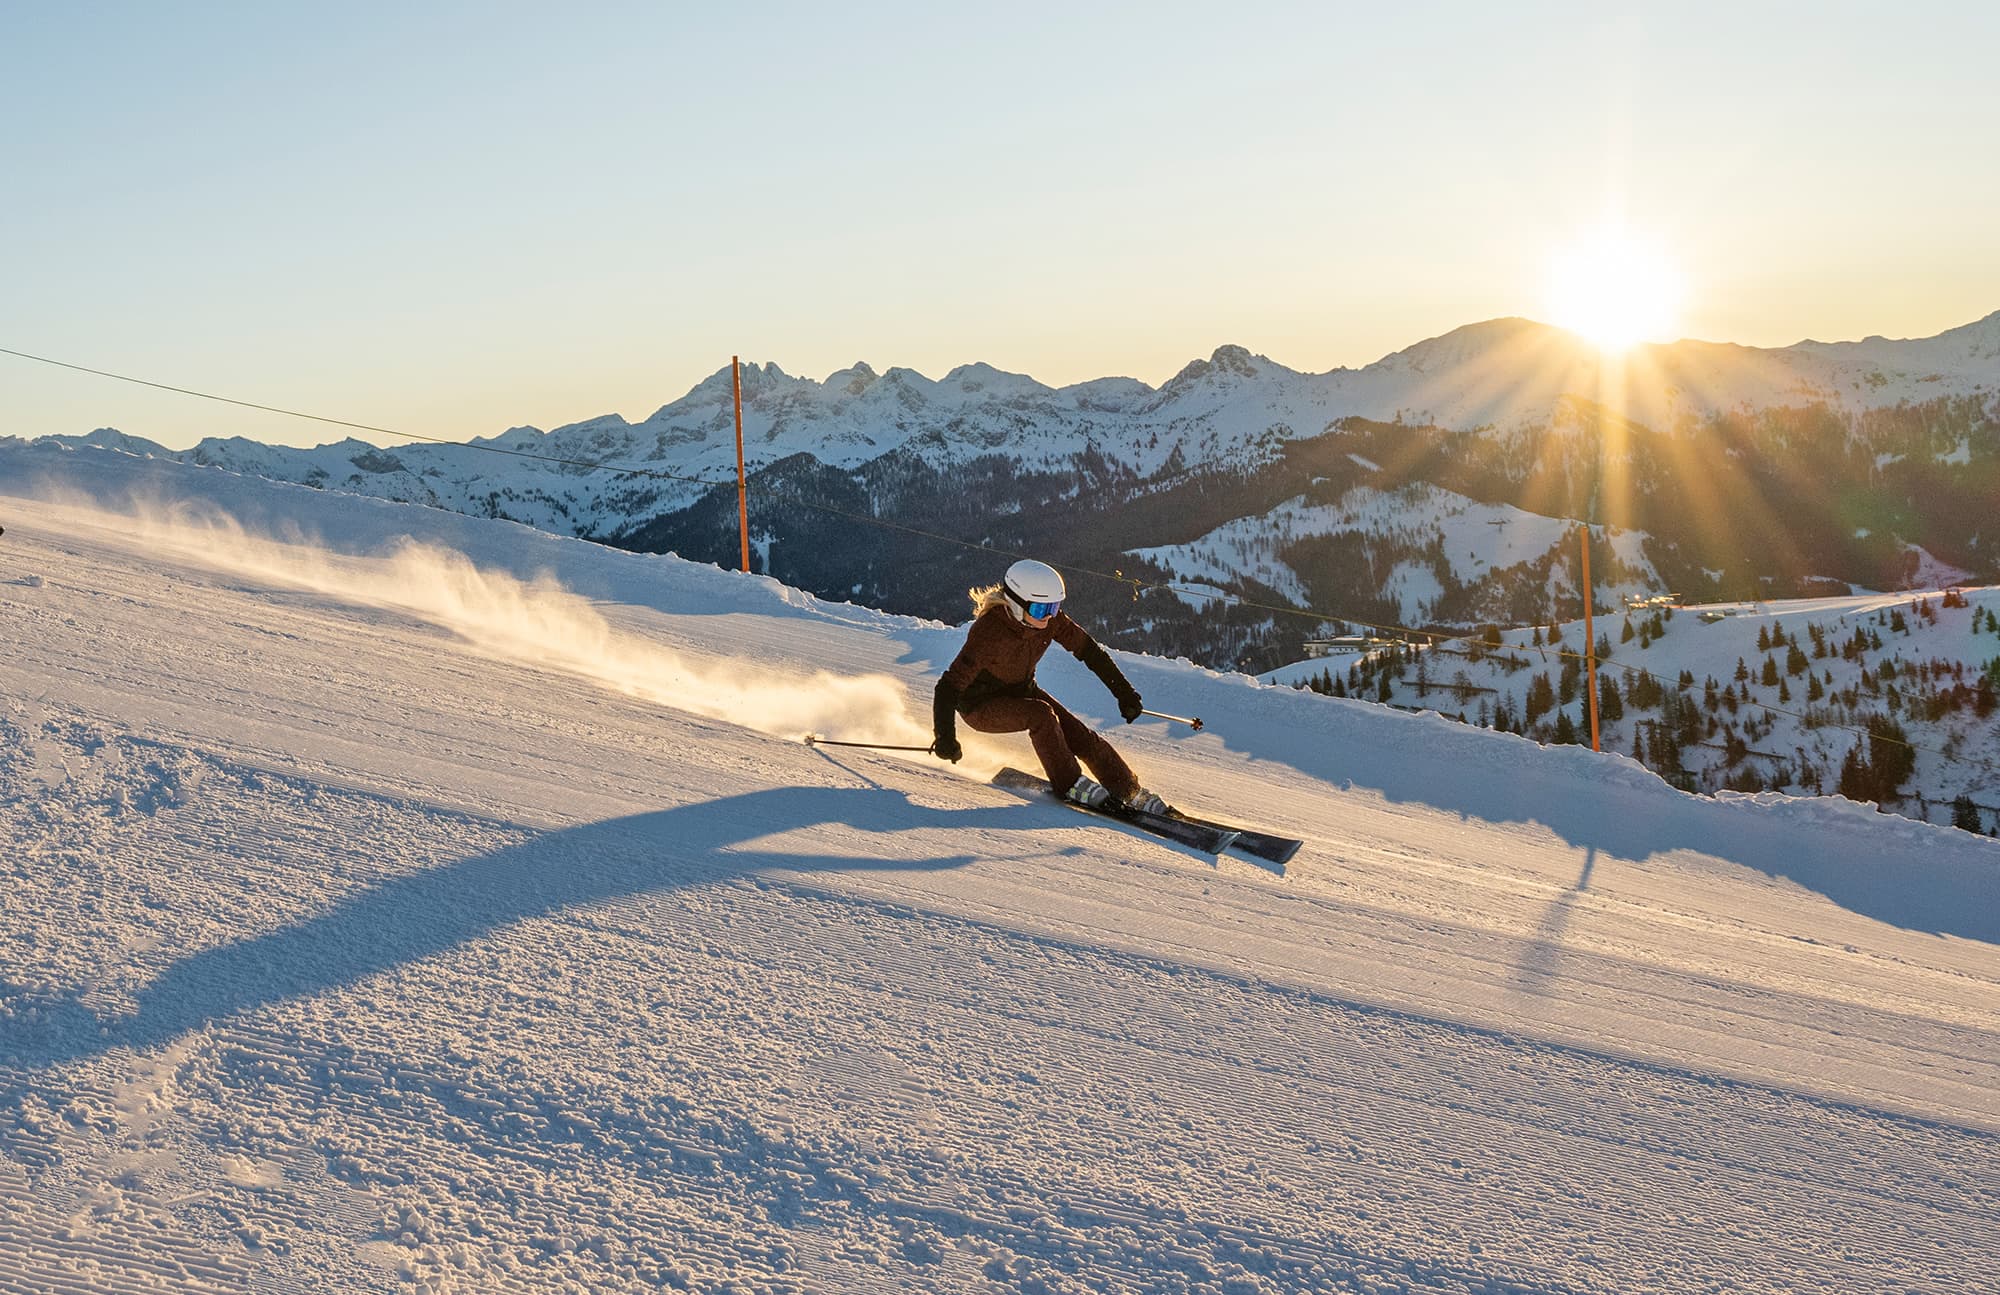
x=992, y=684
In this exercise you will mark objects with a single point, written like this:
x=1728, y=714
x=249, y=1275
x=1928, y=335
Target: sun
x=1615, y=289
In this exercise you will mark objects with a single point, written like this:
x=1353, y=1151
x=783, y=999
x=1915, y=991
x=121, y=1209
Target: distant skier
x=992, y=684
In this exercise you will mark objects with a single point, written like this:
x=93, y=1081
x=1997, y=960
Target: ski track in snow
x=342, y=955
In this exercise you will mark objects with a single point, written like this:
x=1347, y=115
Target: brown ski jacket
x=999, y=659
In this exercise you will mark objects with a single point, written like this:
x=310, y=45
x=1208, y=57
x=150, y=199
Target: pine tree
x=1890, y=754
x=1857, y=781
x=1541, y=699
x=1964, y=814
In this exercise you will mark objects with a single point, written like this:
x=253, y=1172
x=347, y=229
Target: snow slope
x=463, y=914
x=1475, y=538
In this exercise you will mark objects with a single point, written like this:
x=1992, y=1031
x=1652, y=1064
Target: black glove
x=946, y=747
x=1129, y=707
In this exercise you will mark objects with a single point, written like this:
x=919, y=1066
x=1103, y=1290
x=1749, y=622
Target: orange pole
x=742, y=487
x=1589, y=639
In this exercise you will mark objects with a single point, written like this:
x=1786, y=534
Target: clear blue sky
x=454, y=218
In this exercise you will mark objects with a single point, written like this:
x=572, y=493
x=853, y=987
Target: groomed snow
x=464, y=914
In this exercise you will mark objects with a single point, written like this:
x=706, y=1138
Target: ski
x=1262, y=845
x=1200, y=836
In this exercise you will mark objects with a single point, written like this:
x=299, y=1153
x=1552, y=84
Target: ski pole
x=814, y=739
x=1194, y=724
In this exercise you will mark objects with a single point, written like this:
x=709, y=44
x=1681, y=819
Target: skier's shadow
x=1539, y=964
x=414, y=916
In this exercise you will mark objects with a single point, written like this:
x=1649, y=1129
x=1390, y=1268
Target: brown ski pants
x=1060, y=738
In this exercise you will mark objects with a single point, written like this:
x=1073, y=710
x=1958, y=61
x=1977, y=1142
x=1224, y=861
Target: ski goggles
x=1036, y=611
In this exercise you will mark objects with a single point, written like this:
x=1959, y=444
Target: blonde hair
x=985, y=598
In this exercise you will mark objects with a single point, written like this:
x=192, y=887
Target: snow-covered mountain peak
x=1510, y=337
x=1967, y=350
x=718, y=388
x=1108, y=395
x=514, y=438
x=714, y=389
x=590, y=426
x=980, y=379
x=908, y=379
x=1227, y=362
x=110, y=438
x=1235, y=359
x=852, y=380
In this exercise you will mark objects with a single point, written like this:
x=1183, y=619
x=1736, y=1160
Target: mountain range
x=1714, y=471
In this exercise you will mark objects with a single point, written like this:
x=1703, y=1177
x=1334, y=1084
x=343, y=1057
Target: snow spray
x=535, y=621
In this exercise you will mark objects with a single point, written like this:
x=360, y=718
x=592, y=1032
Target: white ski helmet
x=1034, y=590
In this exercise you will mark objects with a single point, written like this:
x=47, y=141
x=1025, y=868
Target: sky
x=451, y=219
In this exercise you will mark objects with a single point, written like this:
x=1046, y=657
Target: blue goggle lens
x=1041, y=611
